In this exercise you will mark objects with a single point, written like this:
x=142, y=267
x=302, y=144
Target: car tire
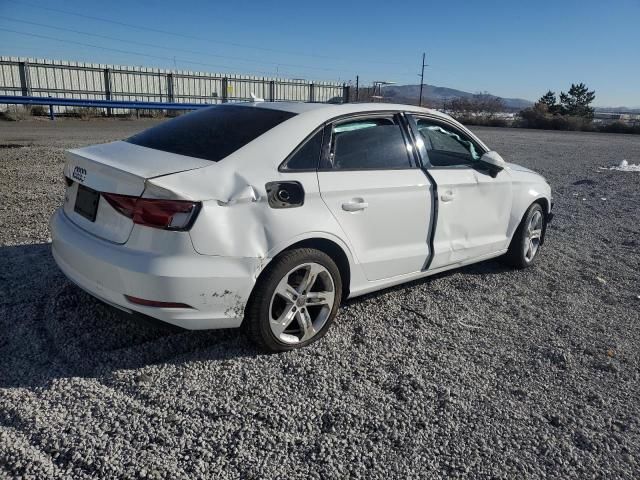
x=294, y=301
x=527, y=239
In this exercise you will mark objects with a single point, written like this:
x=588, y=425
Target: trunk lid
x=117, y=167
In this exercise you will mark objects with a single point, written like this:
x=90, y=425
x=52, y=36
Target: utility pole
x=422, y=79
x=357, y=87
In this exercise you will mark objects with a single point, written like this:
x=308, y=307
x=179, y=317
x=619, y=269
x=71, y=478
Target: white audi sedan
x=268, y=215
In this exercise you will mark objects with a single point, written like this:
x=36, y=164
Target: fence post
x=170, y=95
x=312, y=93
x=52, y=115
x=225, y=92
x=357, y=88
x=272, y=91
x=107, y=88
x=25, y=79
x=346, y=91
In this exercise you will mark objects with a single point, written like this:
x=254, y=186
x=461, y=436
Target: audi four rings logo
x=79, y=174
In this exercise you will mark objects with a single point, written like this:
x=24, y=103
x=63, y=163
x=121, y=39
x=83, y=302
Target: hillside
x=437, y=95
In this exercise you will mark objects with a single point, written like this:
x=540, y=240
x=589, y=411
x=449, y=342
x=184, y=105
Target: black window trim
x=396, y=116
x=412, y=116
x=283, y=165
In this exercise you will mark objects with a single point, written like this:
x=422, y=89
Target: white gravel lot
x=479, y=373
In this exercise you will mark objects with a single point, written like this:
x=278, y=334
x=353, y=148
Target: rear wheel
x=526, y=242
x=294, y=301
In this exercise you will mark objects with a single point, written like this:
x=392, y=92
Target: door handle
x=355, y=205
x=447, y=196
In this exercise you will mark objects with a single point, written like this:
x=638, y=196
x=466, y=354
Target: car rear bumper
x=217, y=288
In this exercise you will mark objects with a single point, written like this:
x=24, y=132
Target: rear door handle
x=355, y=205
x=447, y=196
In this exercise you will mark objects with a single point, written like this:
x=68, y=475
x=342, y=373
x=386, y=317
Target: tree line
x=570, y=110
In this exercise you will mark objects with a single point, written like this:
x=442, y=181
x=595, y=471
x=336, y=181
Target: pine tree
x=548, y=99
x=576, y=102
x=548, y=103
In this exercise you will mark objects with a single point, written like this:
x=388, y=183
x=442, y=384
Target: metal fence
x=51, y=78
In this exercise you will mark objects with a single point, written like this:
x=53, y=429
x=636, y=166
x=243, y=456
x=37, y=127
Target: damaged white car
x=268, y=215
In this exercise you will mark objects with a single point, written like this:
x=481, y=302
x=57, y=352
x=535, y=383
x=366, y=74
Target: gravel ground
x=483, y=372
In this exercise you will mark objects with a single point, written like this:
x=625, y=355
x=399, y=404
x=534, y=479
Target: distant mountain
x=435, y=96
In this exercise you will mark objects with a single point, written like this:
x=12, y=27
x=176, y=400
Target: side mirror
x=494, y=161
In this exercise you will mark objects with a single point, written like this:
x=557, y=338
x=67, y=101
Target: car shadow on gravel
x=51, y=329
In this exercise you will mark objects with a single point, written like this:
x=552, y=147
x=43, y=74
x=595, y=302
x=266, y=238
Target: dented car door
x=474, y=206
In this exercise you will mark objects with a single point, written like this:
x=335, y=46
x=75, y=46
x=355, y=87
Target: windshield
x=211, y=133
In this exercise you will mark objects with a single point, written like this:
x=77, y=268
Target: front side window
x=211, y=133
x=369, y=143
x=445, y=146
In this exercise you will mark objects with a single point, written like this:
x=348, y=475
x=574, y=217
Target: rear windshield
x=211, y=133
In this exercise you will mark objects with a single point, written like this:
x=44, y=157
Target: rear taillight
x=156, y=213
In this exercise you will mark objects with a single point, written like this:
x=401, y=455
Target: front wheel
x=527, y=239
x=295, y=301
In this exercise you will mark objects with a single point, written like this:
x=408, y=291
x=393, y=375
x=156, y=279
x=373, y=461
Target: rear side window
x=211, y=133
x=373, y=143
x=307, y=156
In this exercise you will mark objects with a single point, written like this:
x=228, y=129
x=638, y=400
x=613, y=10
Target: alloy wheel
x=301, y=303
x=533, y=236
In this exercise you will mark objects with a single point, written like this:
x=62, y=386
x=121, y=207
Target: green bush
x=84, y=113
x=620, y=127
x=15, y=113
x=539, y=117
x=39, y=111
x=484, y=121
x=152, y=113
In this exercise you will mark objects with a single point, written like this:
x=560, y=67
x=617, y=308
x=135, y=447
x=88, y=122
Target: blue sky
x=504, y=47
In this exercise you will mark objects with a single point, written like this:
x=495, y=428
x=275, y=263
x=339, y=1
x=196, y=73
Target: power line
x=182, y=35
x=196, y=52
x=129, y=52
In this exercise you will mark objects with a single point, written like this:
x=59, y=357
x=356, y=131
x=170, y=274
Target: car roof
x=330, y=110
x=277, y=143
